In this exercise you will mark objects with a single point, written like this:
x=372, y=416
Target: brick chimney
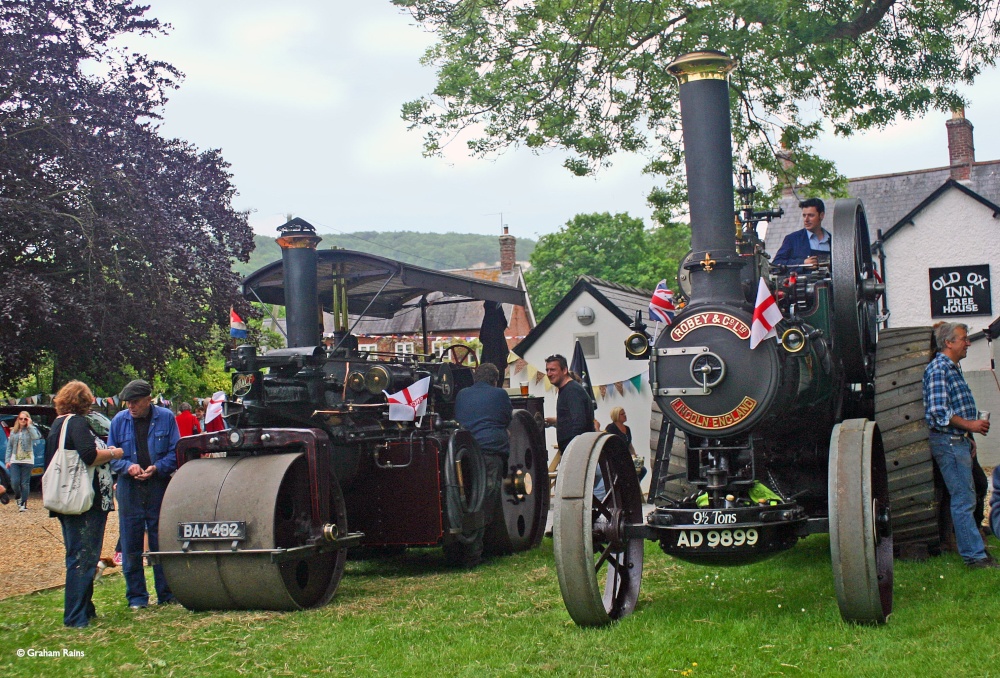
x=961, y=152
x=786, y=179
x=508, y=251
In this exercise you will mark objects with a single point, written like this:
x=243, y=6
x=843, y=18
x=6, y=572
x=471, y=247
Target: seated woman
x=617, y=427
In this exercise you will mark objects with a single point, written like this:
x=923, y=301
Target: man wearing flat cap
x=148, y=436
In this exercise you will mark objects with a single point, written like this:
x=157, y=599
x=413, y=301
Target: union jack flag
x=661, y=306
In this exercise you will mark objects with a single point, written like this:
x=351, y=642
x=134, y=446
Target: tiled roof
x=626, y=298
x=445, y=317
x=890, y=197
x=621, y=300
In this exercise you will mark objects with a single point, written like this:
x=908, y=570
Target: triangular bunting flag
x=603, y=390
x=636, y=382
x=620, y=387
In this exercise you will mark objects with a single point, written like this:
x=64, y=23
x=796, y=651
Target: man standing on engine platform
x=574, y=407
x=805, y=247
x=486, y=411
x=148, y=435
x=952, y=418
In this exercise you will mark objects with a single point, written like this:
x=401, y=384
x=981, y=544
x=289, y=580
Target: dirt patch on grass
x=33, y=557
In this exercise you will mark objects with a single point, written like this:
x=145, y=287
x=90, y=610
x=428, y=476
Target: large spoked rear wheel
x=860, y=522
x=597, y=495
x=914, y=489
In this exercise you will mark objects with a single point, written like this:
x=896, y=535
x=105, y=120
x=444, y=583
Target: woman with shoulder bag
x=83, y=534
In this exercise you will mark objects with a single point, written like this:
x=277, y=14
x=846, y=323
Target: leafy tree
x=115, y=242
x=591, y=76
x=616, y=248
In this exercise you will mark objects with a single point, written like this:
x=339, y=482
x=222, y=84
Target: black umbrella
x=579, y=366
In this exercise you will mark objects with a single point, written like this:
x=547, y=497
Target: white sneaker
x=22, y=508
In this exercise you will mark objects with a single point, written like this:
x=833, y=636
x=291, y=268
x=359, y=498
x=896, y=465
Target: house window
x=588, y=342
x=364, y=348
x=438, y=347
x=404, y=347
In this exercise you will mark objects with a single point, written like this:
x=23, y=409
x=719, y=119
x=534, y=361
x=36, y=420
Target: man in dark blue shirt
x=486, y=411
x=805, y=247
x=574, y=407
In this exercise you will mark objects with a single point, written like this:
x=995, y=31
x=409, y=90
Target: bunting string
x=610, y=391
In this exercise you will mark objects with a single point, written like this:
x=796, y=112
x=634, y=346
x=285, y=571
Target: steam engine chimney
x=298, y=242
x=508, y=251
x=708, y=156
x=961, y=152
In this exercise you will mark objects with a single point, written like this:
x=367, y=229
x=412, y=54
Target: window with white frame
x=438, y=346
x=588, y=342
x=404, y=347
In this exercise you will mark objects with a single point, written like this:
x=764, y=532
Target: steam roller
x=265, y=501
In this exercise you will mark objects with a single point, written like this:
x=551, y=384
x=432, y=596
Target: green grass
x=412, y=616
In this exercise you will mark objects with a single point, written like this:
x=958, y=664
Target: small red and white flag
x=409, y=403
x=213, y=412
x=766, y=315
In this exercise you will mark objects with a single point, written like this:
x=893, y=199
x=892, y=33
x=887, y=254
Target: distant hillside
x=430, y=250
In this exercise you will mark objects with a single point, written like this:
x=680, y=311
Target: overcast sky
x=303, y=97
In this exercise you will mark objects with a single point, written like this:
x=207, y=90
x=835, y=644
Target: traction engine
x=780, y=441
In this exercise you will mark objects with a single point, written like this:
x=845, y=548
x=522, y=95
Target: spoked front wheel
x=860, y=523
x=597, y=497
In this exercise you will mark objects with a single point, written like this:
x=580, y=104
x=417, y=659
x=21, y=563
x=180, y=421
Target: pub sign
x=960, y=290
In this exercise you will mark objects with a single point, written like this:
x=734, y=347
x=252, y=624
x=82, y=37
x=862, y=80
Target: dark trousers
x=83, y=536
x=982, y=486
x=139, y=514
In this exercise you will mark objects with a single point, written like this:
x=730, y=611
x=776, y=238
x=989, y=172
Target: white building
x=597, y=313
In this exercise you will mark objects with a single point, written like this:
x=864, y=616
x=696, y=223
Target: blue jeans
x=20, y=475
x=953, y=455
x=138, y=514
x=83, y=536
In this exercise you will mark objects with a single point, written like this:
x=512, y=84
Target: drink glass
x=524, y=388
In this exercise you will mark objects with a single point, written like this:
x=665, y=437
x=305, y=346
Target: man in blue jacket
x=806, y=246
x=486, y=411
x=148, y=435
